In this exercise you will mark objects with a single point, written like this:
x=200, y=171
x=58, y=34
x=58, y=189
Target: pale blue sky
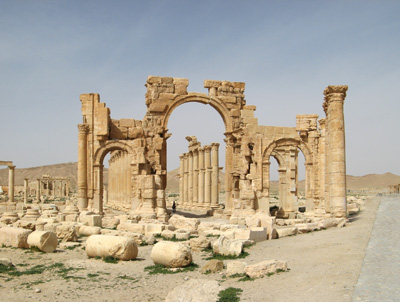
x=287, y=52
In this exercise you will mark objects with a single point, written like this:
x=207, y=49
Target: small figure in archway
x=173, y=207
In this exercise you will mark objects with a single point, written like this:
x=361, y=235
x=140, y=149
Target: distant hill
x=356, y=183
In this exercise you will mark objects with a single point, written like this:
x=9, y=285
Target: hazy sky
x=287, y=52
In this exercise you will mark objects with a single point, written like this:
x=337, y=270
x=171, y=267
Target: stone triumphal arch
x=138, y=148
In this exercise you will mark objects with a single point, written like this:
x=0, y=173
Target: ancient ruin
x=142, y=147
x=11, y=179
x=199, y=176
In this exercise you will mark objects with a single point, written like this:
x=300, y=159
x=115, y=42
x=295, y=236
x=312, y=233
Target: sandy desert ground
x=324, y=266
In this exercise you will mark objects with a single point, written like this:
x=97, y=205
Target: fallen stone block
x=131, y=227
x=235, y=268
x=182, y=235
x=168, y=234
x=181, y=222
x=199, y=243
x=45, y=241
x=212, y=266
x=199, y=290
x=90, y=219
x=284, y=232
x=110, y=222
x=66, y=232
x=256, y=234
x=119, y=247
x=264, y=268
x=171, y=254
x=14, y=237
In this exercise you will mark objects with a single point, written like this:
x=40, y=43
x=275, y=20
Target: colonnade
x=199, y=178
x=119, y=179
x=52, y=186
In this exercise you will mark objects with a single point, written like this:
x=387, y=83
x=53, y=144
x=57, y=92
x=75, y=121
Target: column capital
x=335, y=93
x=207, y=148
x=83, y=128
x=215, y=145
x=11, y=167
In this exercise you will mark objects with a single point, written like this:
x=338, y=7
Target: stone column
x=185, y=181
x=215, y=175
x=98, y=188
x=207, y=180
x=282, y=189
x=195, y=178
x=67, y=188
x=334, y=100
x=105, y=195
x=228, y=173
x=201, y=177
x=53, y=191
x=190, y=184
x=26, y=188
x=38, y=190
x=11, y=183
x=181, y=171
x=82, y=167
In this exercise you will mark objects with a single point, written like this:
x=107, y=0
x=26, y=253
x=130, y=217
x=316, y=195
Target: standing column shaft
x=190, y=162
x=26, y=188
x=38, y=190
x=207, y=181
x=334, y=100
x=196, y=178
x=215, y=175
x=11, y=183
x=201, y=177
x=181, y=163
x=185, y=180
x=82, y=167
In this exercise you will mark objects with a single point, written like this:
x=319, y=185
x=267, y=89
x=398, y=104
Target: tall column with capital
x=11, y=183
x=201, y=176
x=82, y=167
x=207, y=180
x=333, y=106
x=215, y=175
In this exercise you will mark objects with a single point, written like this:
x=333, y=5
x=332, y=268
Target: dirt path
x=324, y=266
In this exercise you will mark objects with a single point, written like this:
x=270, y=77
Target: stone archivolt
x=141, y=145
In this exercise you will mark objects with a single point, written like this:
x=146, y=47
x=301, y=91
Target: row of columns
x=119, y=179
x=199, y=178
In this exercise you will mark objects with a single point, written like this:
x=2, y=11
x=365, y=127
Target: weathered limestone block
x=353, y=208
x=110, y=222
x=168, y=234
x=85, y=230
x=90, y=219
x=224, y=246
x=199, y=243
x=327, y=223
x=181, y=222
x=182, y=235
x=26, y=224
x=153, y=228
x=171, y=254
x=263, y=268
x=14, y=237
x=212, y=266
x=6, y=262
x=50, y=227
x=206, y=225
x=66, y=232
x=119, y=247
x=286, y=232
x=45, y=241
x=235, y=268
x=131, y=227
x=199, y=290
x=229, y=226
x=306, y=227
x=256, y=234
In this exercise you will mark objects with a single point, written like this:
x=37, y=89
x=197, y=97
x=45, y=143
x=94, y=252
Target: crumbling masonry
x=142, y=146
